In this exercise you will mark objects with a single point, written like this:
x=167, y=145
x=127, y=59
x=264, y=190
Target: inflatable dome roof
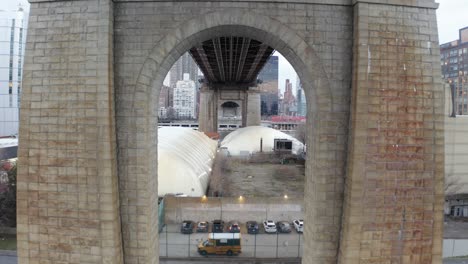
x=247, y=141
x=185, y=158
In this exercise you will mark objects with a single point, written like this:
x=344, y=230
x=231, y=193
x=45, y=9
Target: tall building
x=13, y=26
x=301, y=99
x=163, y=101
x=269, y=87
x=185, y=64
x=185, y=98
x=454, y=62
x=288, y=102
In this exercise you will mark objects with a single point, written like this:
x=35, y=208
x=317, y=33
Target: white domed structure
x=185, y=158
x=247, y=141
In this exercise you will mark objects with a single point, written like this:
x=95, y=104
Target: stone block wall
x=178, y=209
x=154, y=34
x=68, y=208
x=394, y=189
x=87, y=182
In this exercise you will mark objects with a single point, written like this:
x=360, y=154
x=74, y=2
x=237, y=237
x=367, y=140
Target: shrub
x=8, y=201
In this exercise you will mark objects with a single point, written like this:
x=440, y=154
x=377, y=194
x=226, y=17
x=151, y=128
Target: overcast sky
x=12, y=4
x=451, y=16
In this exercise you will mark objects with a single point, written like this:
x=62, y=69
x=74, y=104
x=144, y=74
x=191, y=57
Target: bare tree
x=301, y=133
x=452, y=184
x=217, y=175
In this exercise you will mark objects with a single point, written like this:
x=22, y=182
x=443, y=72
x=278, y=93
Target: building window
x=10, y=71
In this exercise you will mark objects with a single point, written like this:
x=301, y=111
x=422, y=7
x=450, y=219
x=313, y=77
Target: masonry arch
x=88, y=132
x=140, y=129
x=230, y=109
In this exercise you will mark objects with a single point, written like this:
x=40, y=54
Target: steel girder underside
x=231, y=60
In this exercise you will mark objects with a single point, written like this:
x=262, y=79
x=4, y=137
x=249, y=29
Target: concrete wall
x=207, y=118
x=178, y=209
x=253, y=112
x=455, y=248
x=456, y=154
x=231, y=95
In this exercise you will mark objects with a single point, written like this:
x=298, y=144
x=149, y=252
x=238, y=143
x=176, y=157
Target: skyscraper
x=301, y=99
x=163, y=102
x=269, y=87
x=289, y=103
x=13, y=26
x=185, y=98
x=454, y=63
x=185, y=64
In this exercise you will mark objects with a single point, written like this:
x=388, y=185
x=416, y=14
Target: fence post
x=277, y=237
x=453, y=247
x=299, y=247
x=255, y=246
x=221, y=208
x=167, y=243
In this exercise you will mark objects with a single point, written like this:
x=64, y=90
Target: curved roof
x=185, y=158
x=247, y=140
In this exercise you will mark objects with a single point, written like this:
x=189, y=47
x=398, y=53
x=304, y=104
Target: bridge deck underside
x=231, y=60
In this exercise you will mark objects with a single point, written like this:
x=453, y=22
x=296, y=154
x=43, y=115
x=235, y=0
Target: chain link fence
x=172, y=243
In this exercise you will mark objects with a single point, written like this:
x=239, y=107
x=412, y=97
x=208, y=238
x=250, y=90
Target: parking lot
x=262, y=245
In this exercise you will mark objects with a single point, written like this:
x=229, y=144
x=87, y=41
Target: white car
x=270, y=226
x=299, y=225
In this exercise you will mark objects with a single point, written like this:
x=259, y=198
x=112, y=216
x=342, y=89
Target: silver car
x=299, y=225
x=269, y=226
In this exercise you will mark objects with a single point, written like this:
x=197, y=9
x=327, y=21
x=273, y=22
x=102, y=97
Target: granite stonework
x=87, y=179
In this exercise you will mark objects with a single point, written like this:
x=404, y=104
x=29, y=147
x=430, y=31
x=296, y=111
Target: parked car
x=299, y=225
x=234, y=227
x=252, y=227
x=187, y=227
x=218, y=226
x=202, y=226
x=283, y=227
x=269, y=226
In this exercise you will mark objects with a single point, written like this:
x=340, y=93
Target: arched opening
x=265, y=176
x=316, y=89
x=89, y=139
x=230, y=109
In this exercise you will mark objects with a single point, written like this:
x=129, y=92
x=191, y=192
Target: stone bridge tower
x=87, y=178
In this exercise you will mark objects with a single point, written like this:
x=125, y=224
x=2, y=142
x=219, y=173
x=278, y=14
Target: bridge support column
x=252, y=112
x=67, y=186
x=393, y=206
x=208, y=116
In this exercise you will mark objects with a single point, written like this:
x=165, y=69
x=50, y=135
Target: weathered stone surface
x=67, y=186
x=394, y=193
x=87, y=182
